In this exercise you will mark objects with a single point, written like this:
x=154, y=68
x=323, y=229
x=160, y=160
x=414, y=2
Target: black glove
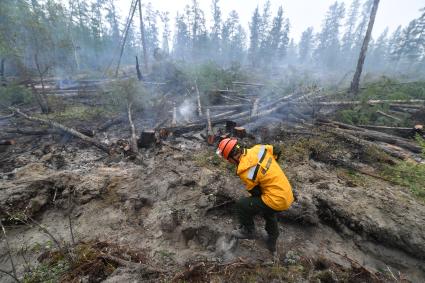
x=277, y=151
x=255, y=192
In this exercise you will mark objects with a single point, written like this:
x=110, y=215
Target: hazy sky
x=301, y=13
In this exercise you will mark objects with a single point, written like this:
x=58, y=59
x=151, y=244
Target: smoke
x=186, y=111
x=225, y=247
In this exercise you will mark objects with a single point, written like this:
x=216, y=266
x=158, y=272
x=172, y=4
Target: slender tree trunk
x=2, y=78
x=139, y=73
x=142, y=34
x=125, y=37
x=356, y=79
x=43, y=101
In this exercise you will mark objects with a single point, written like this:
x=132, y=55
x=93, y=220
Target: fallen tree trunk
x=247, y=84
x=401, y=103
x=228, y=107
x=7, y=142
x=399, y=131
x=61, y=127
x=7, y=116
x=391, y=150
x=29, y=132
x=374, y=136
x=388, y=115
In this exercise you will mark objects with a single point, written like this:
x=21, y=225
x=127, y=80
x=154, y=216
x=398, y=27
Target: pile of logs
x=236, y=111
x=393, y=145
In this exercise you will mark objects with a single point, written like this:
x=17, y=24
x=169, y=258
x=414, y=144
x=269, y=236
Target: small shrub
x=14, y=94
x=409, y=175
x=421, y=141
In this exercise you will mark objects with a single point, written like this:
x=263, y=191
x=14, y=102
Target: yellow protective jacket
x=258, y=167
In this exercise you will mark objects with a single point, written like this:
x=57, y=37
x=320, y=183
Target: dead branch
x=70, y=209
x=187, y=273
x=11, y=275
x=133, y=139
x=130, y=264
x=61, y=127
x=9, y=253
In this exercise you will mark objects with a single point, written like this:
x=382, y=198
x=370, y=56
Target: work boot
x=271, y=244
x=244, y=233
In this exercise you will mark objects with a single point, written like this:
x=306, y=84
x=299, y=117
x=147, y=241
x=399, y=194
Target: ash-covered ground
x=175, y=208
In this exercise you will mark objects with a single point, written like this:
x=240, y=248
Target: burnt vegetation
x=109, y=124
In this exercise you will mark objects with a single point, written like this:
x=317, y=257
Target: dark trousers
x=248, y=207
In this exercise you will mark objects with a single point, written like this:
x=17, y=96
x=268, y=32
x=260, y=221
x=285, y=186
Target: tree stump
x=147, y=138
x=240, y=132
x=230, y=125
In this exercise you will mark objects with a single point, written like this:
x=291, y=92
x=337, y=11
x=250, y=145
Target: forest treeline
x=66, y=37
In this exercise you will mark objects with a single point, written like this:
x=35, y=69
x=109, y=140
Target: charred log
x=61, y=127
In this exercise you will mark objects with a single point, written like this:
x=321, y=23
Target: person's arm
x=255, y=191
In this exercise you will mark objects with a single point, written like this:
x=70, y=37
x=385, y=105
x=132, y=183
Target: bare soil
x=177, y=209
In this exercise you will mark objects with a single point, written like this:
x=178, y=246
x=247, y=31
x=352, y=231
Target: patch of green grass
x=211, y=160
x=409, y=175
x=47, y=272
x=421, y=141
x=79, y=113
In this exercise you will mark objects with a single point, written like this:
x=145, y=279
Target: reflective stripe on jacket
x=258, y=167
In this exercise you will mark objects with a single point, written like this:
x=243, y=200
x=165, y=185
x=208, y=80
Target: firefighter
x=265, y=181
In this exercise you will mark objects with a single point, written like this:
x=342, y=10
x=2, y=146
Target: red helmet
x=226, y=146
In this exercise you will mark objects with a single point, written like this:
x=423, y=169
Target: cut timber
x=133, y=138
x=147, y=138
x=61, y=127
x=240, y=132
x=376, y=136
x=388, y=115
x=7, y=142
